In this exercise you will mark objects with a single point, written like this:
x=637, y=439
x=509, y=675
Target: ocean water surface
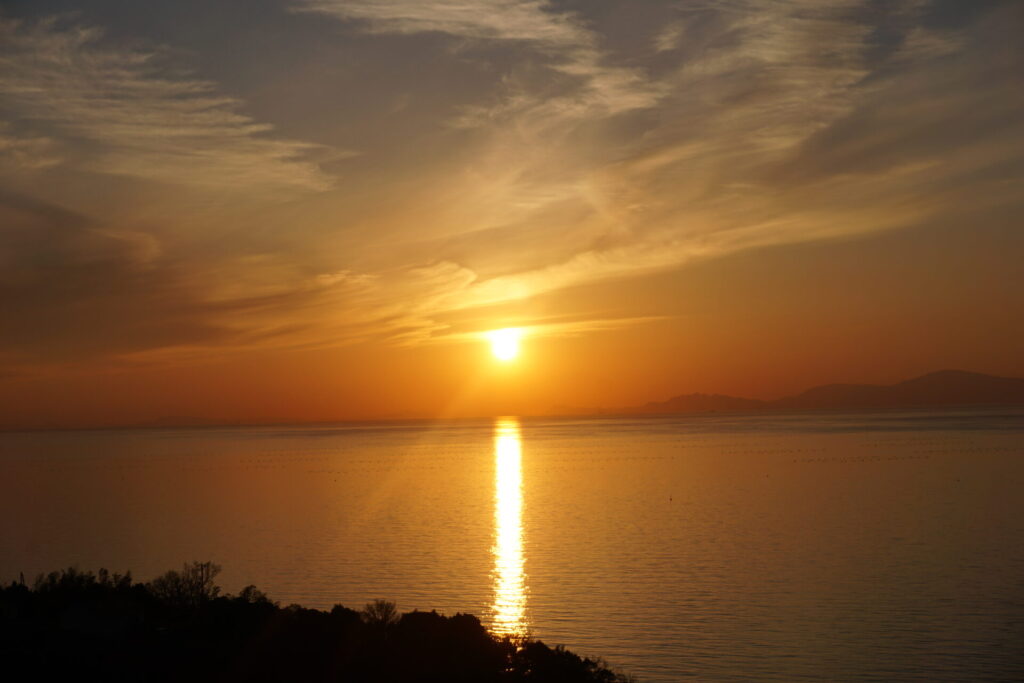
x=841, y=547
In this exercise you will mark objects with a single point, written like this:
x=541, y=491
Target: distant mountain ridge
x=943, y=388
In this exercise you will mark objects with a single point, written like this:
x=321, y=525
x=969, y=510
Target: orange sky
x=313, y=210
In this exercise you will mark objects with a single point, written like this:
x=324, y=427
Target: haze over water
x=839, y=547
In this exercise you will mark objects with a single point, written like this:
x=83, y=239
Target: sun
x=505, y=343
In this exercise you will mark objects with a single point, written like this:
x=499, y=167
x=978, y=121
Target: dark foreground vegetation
x=74, y=625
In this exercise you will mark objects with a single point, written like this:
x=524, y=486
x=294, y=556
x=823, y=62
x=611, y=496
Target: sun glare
x=509, y=575
x=505, y=343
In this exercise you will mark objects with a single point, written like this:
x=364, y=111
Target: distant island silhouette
x=75, y=625
x=942, y=389
x=935, y=390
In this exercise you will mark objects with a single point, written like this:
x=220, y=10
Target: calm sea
x=839, y=547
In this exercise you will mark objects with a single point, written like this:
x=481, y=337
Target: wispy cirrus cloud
x=26, y=152
x=572, y=50
x=76, y=283
x=528, y=20
x=123, y=111
x=784, y=122
x=536, y=127
x=736, y=125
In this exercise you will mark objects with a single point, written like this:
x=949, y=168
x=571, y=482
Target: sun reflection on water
x=509, y=606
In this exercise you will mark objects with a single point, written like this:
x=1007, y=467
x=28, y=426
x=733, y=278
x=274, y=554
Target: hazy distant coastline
x=942, y=389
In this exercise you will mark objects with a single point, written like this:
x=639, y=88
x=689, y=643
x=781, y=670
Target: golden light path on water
x=509, y=606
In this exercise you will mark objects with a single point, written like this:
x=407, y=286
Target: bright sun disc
x=505, y=343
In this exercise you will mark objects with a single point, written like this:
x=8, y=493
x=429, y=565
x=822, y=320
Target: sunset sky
x=317, y=209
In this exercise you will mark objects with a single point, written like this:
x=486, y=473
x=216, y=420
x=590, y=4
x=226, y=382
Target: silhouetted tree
x=252, y=594
x=74, y=624
x=189, y=588
x=380, y=613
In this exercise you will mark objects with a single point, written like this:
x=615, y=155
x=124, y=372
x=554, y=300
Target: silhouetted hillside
x=74, y=625
x=943, y=388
